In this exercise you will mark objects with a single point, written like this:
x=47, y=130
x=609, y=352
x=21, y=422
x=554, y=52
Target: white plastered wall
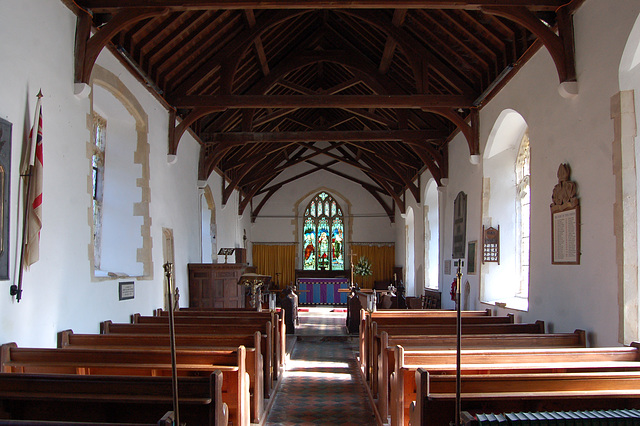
x=58, y=291
x=577, y=131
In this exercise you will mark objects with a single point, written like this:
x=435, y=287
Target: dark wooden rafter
x=560, y=46
x=176, y=131
x=89, y=47
x=182, y=5
x=412, y=46
x=241, y=43
x=381, y=86
x=390, y=44
x=470, y=131
x=241, y=138
x=322, y=101
x=378, y=162
x=251, y=163
x=372, y=189
x=259, y=187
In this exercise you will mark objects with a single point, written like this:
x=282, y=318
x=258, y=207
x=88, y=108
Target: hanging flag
x=33, y=200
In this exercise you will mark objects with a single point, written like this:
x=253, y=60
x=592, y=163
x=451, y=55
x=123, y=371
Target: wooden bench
x=109, y=327
x=115, y=399
x=228, y=317
x=436, y=393
x=144, y=362
x=366, y=318
x=386, y=360
x=255, y=366
x=167, y=420
x=498, y=361
x=446, y=324
x=257, y=340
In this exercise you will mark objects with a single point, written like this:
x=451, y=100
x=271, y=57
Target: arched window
x=431, y=236
x=523, y=213
x=323, y=234
x=506, y=204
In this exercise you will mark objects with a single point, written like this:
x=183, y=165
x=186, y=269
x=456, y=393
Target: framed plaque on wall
x=460, y=226
x=5, y=173
x=565, y=220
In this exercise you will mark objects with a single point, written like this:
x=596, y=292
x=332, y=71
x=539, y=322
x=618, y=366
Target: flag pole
x=26, y=173
x=172, y=341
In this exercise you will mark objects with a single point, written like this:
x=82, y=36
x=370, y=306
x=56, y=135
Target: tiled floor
x=322, y=384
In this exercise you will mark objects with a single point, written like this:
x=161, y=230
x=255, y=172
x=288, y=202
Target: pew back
x=523, y=392
x=117, y=399
x=145, y=362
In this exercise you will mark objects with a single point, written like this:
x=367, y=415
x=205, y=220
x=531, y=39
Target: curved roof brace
x=560, y=46
x=470, y=131
x=88, y=47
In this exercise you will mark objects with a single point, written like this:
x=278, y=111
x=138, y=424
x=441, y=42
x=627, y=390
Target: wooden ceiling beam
x=390, y=44
x=372, y=189
x=89, y=47
x=241, y=138
x=241, y=42
x=322, y=101
x=371, y=172
x=371, y=161
x=106, y=6
x=257, y=42
x=560, y=46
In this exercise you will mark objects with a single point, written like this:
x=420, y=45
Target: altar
x=322, y=287
x=323, y=291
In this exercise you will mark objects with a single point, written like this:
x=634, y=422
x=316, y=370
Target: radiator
x=582, y=418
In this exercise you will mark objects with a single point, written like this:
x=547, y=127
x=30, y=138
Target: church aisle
x=322, y=384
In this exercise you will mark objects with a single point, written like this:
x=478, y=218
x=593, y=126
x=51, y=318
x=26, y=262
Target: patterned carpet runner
x=322, y=384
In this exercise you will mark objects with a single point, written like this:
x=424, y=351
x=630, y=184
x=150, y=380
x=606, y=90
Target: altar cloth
x=322, y=291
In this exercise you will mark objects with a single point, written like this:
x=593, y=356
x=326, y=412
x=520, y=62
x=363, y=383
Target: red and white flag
x=34, y=197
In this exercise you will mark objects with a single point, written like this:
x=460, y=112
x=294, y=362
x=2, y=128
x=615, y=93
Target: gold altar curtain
x=270, y=259
x=382, y=258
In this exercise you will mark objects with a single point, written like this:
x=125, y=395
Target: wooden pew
x=498, y=361
x=145, y=362
x=366, y=318
x=386, y=360
x=167, y=420
x=439, y=330
x=201, y=316
x=438, y=325
x=255, y=367
x=109, y=327
x=436, y=393
x=116, y=399
x=67, y=338
x=278, y=318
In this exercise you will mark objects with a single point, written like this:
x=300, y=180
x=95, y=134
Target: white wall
x=58, y=291
x=577, y=131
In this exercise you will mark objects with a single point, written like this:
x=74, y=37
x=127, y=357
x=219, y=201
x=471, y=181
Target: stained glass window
x=323, y=234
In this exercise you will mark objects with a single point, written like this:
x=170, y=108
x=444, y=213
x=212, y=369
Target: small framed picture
x=447, y=267
x=471, y=257
x=126, y=290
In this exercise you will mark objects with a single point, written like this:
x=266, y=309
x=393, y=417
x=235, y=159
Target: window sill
x=515, y=303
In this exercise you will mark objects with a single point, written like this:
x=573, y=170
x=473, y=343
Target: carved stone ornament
x=564, y=193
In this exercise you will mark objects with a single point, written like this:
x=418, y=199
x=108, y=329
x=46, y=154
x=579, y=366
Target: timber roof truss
x=371, y=91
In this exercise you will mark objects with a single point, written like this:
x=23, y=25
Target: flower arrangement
x=363, y=267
